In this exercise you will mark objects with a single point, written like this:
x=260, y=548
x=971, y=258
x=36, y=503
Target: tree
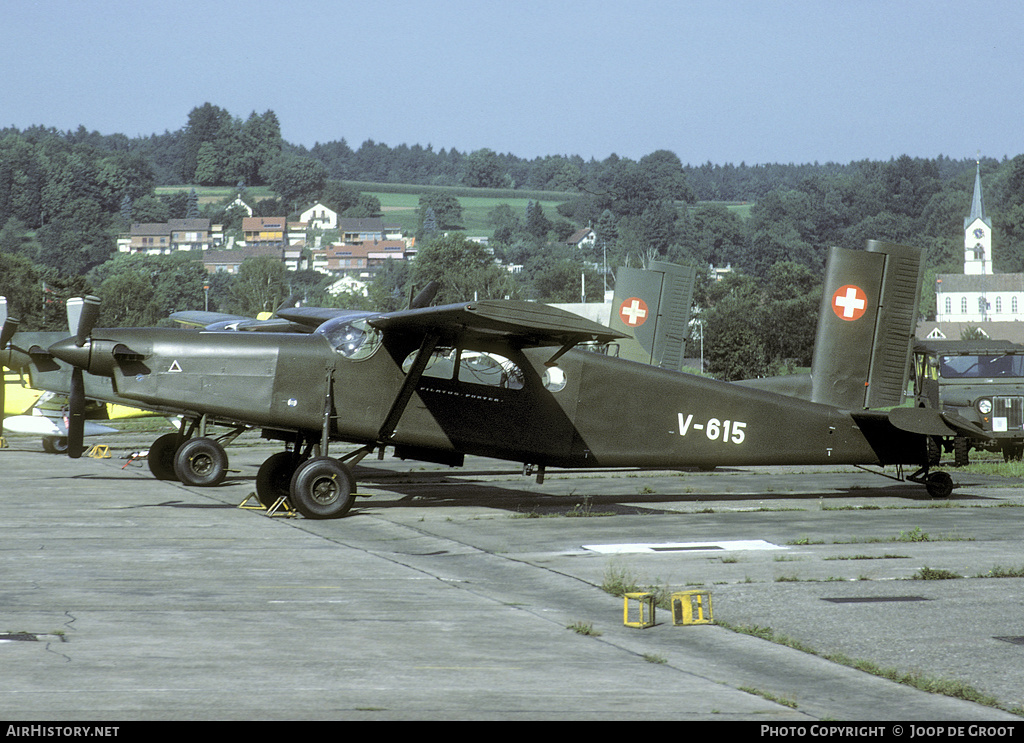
x=205, y=124
x=732, y=342
x=297, y=180
x=261, y=144
x=464, y=269
x=259, y=286
x=792, y=301
x=566, y=280
x=485, y=170
x=536, y=223
x=664, y=171
x=447, y=209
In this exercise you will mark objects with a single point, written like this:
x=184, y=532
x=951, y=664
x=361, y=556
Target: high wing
x=520, y=324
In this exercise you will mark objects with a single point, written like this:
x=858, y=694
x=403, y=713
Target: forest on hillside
x=66, y=195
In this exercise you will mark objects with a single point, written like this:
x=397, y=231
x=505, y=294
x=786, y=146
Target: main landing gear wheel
x=275, y=476
x=322, y=488
x=939, y=484
x=201, y=462
x=161, y=456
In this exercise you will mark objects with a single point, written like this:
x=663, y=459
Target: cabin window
x=554, y=379
x=353, y=339
x=474, y=367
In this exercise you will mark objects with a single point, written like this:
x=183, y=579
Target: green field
x=401, y=209
x=400, y=202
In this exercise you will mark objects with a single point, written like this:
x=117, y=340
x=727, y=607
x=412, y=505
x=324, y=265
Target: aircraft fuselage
x=490, y=400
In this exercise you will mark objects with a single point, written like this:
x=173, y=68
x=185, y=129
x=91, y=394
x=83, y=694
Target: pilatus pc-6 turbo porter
x=500, y=379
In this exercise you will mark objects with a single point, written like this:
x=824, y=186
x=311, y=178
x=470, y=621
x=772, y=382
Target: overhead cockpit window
x=475, y=367
x=353, y=339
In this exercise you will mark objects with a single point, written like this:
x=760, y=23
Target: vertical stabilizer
x=653, y=306
x=866, y=325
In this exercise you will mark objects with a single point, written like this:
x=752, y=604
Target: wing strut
x=568, y=346
x=390, y=425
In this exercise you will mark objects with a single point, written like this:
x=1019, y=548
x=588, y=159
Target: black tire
x=322, y=488
x=939, y=485
x=55, y=444
x=1013, y=452
x=201, y=462
x=961, y=451
x=275, y=477
x=161, y=456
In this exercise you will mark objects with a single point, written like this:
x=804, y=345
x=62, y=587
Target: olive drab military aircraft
x=495, y=378
x=41, y=413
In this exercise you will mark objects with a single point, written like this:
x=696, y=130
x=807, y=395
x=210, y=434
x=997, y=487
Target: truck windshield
x=981, y=366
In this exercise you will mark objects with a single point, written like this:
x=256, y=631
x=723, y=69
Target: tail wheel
x=322, y=488
x=939, y=484
x=201, y=462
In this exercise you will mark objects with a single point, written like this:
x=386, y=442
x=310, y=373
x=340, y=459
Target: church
x=977, y=298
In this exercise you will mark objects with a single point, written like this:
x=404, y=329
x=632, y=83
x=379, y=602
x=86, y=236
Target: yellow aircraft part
x=17, y=397
x=120, y=412
x=20, y=398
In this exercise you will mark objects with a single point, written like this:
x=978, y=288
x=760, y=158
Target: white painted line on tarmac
x=658, y=547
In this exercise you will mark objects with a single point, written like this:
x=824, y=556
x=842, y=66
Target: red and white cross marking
x=849, y=302
x=633, y=312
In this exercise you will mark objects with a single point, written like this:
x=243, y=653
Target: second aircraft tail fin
x=653, y=306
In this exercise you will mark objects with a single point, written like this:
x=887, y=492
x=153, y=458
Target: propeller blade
x=76, y=414
x=82, y=315
x=425, y=297
x=10, y=327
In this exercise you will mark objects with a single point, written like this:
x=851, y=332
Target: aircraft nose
x=69, y=351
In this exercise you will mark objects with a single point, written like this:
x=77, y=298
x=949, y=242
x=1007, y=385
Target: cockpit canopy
x=353, y=338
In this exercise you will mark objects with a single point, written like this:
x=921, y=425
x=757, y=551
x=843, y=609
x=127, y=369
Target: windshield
x=353, y=339
x=981, y=366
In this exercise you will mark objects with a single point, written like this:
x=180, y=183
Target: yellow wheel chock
x=691, y=607
x=644, y=614
x=281, y=507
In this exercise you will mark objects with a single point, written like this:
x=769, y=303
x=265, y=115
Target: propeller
x=82, y=315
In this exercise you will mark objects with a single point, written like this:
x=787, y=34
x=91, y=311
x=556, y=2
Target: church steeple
x=977, y=233
x=978, y=202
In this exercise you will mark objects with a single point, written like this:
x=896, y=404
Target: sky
x=719, y=81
